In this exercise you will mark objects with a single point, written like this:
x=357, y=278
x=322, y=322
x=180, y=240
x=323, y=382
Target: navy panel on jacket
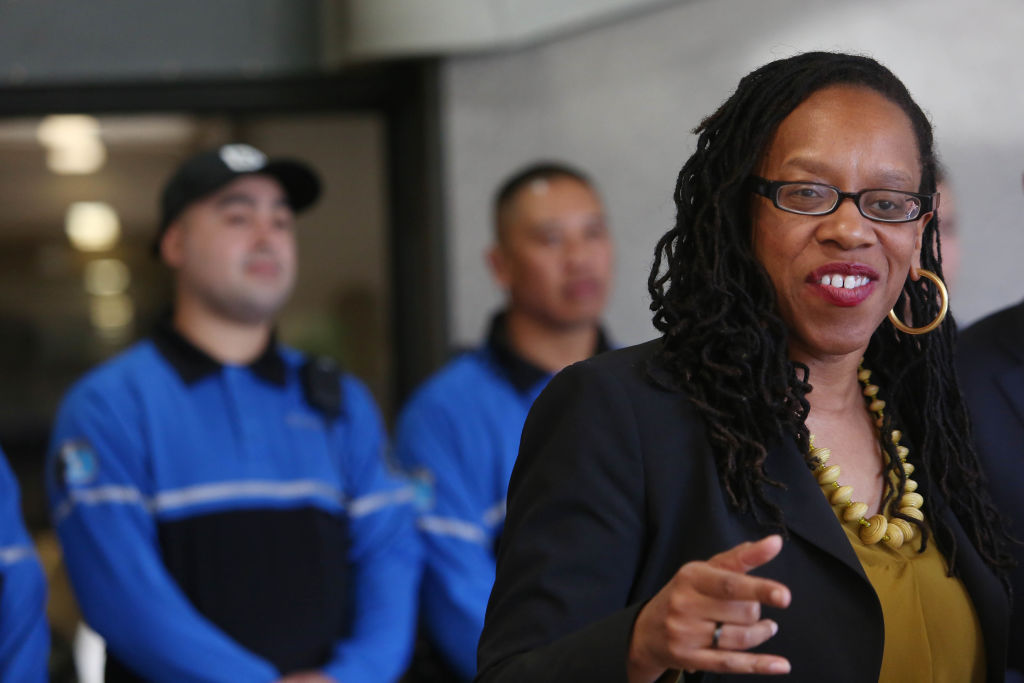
x=224, y=560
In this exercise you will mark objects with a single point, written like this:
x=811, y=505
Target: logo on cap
x=242, y=158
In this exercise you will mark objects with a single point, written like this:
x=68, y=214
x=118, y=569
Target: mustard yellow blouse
x=932, y=632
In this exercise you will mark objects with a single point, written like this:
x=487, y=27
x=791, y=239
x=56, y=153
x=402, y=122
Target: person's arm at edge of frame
x=110, y=545
x=24, y=633
x=385, y=552
x=459, y=565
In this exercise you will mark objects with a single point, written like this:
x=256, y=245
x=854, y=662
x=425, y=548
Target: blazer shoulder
x=626, y=381
x=635, y=367
x=1005, y=321
x=993, y=340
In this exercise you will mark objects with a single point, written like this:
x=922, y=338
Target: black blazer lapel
x=807, y=513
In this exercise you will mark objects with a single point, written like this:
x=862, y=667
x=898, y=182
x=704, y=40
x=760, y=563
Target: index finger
x=750, y=555
x=726, y=585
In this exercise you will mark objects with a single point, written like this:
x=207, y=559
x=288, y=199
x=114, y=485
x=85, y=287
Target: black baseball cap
x=208, y=171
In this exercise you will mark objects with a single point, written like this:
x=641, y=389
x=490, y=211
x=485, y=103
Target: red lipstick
x=850, y=283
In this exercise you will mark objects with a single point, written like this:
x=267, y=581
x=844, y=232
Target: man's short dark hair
x=542, y=170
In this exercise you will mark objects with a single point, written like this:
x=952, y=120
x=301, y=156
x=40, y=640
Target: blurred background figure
x=24, y=634
x=991, y=367
x=949, y=229
x=221, y=499
x=552, y=257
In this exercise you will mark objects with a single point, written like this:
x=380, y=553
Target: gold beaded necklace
x=893, y=531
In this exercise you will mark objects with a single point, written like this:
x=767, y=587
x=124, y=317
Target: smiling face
x=234, y=251
x=554, y=254
x=855, y=139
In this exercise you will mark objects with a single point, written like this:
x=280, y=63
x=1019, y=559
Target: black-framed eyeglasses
x=818, y=199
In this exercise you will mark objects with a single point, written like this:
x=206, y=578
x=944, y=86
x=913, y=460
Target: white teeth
x=847, y=282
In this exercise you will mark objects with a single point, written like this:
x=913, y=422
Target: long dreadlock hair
x=725, y=344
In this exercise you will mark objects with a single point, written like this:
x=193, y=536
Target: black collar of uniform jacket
x=523, y=374
x=193, y=364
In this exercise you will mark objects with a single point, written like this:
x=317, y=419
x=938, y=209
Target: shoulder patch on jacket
x=77, y=463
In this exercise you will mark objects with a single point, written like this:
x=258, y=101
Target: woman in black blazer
x=782, y=483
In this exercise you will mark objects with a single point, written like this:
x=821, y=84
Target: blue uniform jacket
x=461, y=431
x=219, y=527
x=24, y=634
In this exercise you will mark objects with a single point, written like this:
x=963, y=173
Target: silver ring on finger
x=716, y=635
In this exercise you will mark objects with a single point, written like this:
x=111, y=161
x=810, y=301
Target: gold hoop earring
x=925, y=329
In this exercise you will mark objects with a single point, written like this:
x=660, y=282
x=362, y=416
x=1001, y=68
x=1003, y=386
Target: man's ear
x=498, y=262
x=172, y=248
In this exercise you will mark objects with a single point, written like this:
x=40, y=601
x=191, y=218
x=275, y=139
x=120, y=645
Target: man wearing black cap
x=221, y=499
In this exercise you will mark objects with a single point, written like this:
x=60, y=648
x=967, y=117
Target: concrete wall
x=371, y=29
x=620, y=101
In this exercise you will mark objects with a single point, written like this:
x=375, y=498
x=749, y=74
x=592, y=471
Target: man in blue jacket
x=460, y=431
x=24, y=634
x=221, y=499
